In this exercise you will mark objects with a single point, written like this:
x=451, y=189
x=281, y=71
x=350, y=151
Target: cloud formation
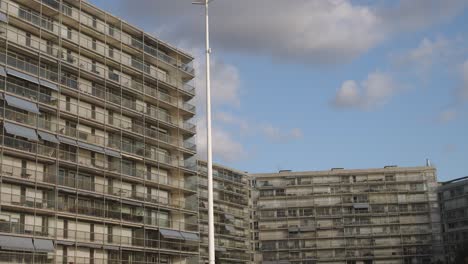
x=373, y=92
x=308, y=31
x=263, y=129
x=225, y=146
x=447, y=116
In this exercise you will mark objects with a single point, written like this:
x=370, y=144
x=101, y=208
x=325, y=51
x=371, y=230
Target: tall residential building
x=97, y=160
x=232, y=215
x=453, y=198
x=387, y=215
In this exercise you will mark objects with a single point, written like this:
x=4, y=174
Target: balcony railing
x=116, y=211
x=97, y=238
x=100, y=162
x=34, y=120
x=56, y=29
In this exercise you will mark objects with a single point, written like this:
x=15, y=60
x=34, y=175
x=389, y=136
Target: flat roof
x=387, y=169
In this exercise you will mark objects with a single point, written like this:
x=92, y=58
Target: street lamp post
x=211, y=241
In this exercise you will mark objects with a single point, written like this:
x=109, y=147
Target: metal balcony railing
x=47, y=24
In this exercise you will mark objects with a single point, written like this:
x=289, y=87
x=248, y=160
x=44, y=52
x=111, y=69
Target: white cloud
x=224, y=145
x=311, y=31
x=225, y=81
x=253, y=128
x=447, y=116
x=373, y=92
x=428, y=53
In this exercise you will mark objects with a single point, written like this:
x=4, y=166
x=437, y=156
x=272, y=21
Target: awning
x=2, y=71
x=21, y=104
x=361, y=205
x=166, y=233
x=23, y=76
x=109, y=247
x=131, y=203
x=21, y=131
x=64, y=242
x=230, y=228
x=90, y=147
x=229, y=217
x=112, y=153
x=3, y=17
x=67, y=141
x=89, y=245
x=293, y=229
x=190, y=236
x=48, y=84
x=48, y=137
x=220, y=249
x=16, y=243
x=45, y=245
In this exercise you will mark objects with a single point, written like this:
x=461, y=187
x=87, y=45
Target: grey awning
x=21, y=131
x=89, y=245
x=23, y=76
x=16, y=243
x=64, y=242
x=230, y=228
x=131, y=203
x=48, y=137
x=2, y=71
x=166, y=233
x=3, y=17
x=90, y=147
x=220, y=249
x=48, y=84
x=229, y=217
x=190, y=236
x=109, y=247
x=112, y=153
x=361, y=205
x=67, y=141
x=21, y=104
x=44, y=245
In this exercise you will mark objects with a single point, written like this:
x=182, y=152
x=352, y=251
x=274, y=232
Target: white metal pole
x=211, y=240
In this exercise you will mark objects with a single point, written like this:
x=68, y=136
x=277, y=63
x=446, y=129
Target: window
x=94, y=22
x=111, y=52
x=69, y=33
x=94, y=67
x=66, y=9
x=111, y=30
x=68, y=103
x=28, y=39
x=94, y=44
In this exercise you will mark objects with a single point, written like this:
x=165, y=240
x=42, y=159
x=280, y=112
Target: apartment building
x=97, y=154
x=387, y=215
x=232, y=195
x=453, y=198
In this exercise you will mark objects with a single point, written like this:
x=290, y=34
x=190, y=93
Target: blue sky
x=321, y=84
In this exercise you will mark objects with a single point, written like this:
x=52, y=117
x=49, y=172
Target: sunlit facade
x=368, y=216
x=97, y=154
x=231, y=210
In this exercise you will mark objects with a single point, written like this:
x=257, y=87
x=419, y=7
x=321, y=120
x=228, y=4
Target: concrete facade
x=232, y=196
x=453, y=198
x=368, y=216
x=97, y=154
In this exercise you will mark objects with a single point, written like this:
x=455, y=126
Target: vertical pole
x=211, y=241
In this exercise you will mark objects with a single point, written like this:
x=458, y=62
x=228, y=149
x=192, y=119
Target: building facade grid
x=97, y=154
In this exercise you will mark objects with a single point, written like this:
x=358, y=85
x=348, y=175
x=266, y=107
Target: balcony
x=95, y=238
x=32, y=69
x=44, y=23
